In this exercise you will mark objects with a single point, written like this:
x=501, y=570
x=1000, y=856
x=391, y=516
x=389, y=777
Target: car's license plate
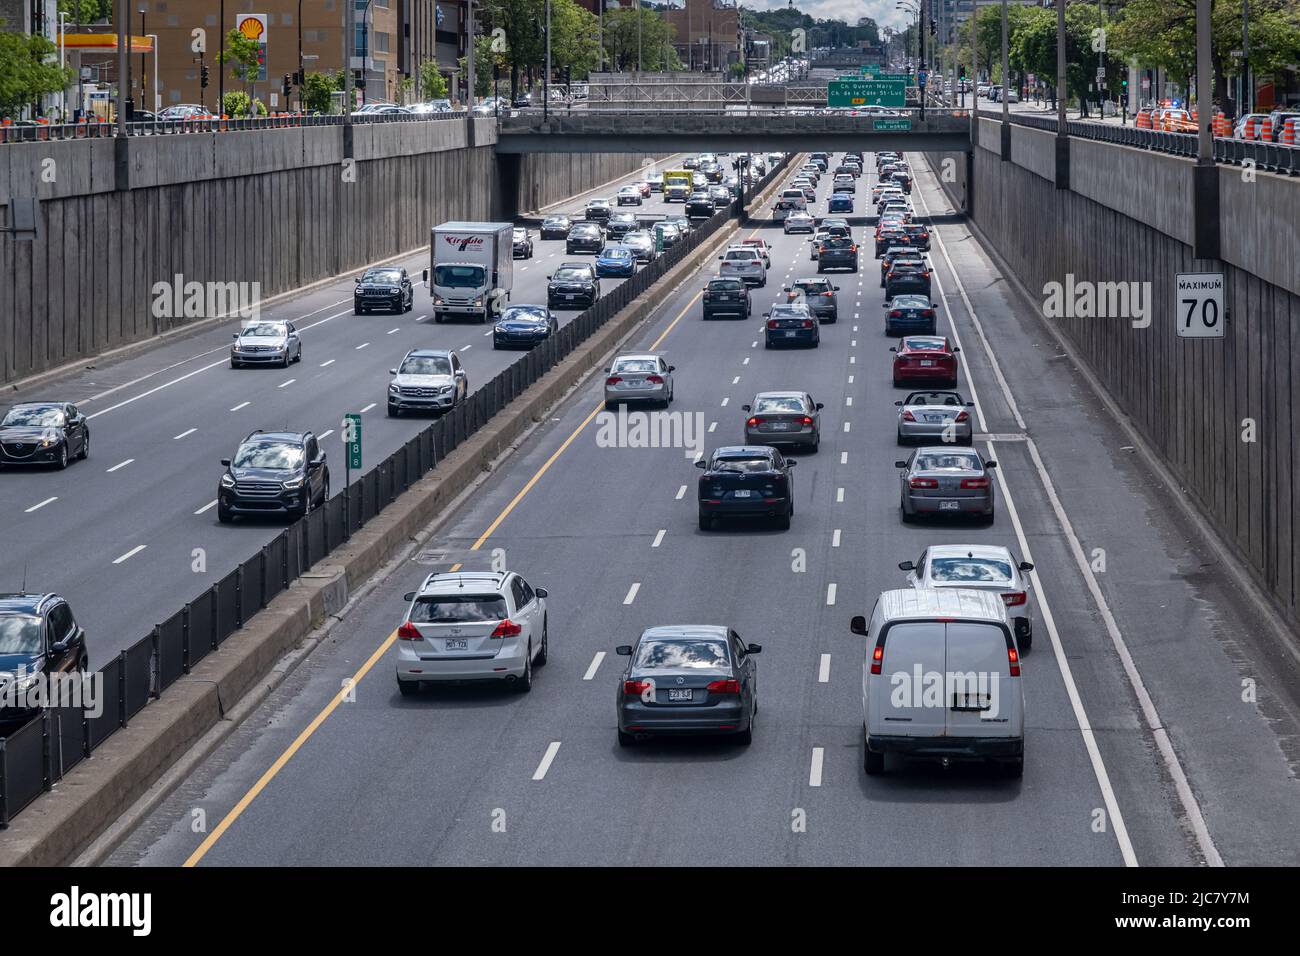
x=570, y=297
x=949, y=505
x=675, y=694
x=791, y=334
x=780, y=426
x=934, y=418
x=925, y=363
x=456, y=644
x=742, y=493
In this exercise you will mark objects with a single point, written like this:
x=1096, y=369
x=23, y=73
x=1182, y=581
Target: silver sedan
x=946, y=481
x=983, y=567
x=783, y=418
x=934, y=417
x=639, y=377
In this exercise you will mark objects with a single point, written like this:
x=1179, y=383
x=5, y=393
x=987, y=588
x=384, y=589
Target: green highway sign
x=892, y=125
x=866, y=92
x=352, y=437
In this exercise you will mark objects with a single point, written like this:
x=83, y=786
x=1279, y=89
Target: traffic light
x=961, y=72
x=287, y=85
x=203, y=76
x=568, y=76
x=359, y=78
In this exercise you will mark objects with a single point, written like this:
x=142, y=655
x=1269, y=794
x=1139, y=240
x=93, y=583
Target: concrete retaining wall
x=1128, y=219
x=546, y=178
x=268, y=206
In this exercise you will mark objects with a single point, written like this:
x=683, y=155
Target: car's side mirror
x=1026, y=566
x=392, y=371
x=358, y=279
x=753, y=648
x=746, y=408
x=234, y=335
x=956, y=348
x=623, y=650
x=59, y=647
x=548, y=279
x=858, y=624
x=408, y=596
x=701, y=464
x=990, y=464
x=898, y=403
x=226, y=462
x=970, y=404
x=672, y=368
x=791, y=464
x=884, y=305
x=900, y=464
x=893, y=348
x=906, y=566
x=820, y=406
x=541, y=592
x=934, y=305
x=835, y=288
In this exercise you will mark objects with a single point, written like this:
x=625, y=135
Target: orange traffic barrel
x=1143, y=119
x=1222, y=125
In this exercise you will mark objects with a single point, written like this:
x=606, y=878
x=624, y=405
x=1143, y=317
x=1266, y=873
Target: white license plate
x=456, y=644
x=790, y=335
x=570, y=297
x=950, y=506
x=935, y=419
x=925, y=363
x=779, y=426
x=742, y=494
x=674, y=694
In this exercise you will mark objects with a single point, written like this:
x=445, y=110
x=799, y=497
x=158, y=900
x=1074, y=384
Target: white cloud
x=884, y=12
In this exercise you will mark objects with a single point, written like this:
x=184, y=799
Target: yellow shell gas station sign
x=254, y=26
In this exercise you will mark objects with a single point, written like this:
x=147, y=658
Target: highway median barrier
x=66, y=777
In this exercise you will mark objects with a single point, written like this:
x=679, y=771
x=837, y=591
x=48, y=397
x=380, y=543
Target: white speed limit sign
x=1198, y=298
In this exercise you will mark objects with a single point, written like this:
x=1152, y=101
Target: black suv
x=388, y=287
x=38, y=635
x=700, y=206
x=726, y=297
x=43, y=433
x=573, y=286
x=273, y=473
x=585, y=237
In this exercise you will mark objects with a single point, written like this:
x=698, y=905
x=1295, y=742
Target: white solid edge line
x=815, y=770
x=549, y=757
x=1188, y=800
x=594, y=666
x=209, y=505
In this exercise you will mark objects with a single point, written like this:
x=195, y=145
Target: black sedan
x=556, y=227
x=585, y=237
x=700, y=206
x=573, y=285
x=748, y=481
x=523, y=326
x=687, y=679
x=726, y=296
x=43, y=433
x=792, y=324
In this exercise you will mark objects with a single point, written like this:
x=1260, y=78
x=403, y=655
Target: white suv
x=745, y=263
x=472, y=626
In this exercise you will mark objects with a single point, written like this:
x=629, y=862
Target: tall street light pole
x=1006, y=89
x=221, y=58
x=469, y=57
x=153, y=39
x=122, y=13
x=546, y=78
x=1062, y=132
x=1205, y=181
x=144, y=72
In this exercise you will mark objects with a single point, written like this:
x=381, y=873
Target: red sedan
x=925, y=358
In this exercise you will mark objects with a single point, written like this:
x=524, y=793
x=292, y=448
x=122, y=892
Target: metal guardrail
x=37, y=755
x=42, y=132
x=1274, y=157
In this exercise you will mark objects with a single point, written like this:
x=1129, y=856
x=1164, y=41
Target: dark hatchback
x=273, y=473
x=792, y=324
x=746, y=481
x=38, y=635
x=523, y=326
x=584, y=237
x=387, y=288
x=837, y=253
x=726, y=297
x=687, y=679
x=573, y=285
x=43, y=433
x=910, y=315
x=907, y=277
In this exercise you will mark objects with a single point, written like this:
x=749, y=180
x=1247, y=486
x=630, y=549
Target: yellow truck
x=677, y=185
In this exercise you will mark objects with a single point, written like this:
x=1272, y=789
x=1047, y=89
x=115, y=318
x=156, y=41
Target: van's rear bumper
x=967, y=748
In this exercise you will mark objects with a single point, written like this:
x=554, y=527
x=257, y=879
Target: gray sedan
x=784, y=418
x=642, y=377
x=945, y=481
x=266, y=343
x=934, y=416
x=687, y=679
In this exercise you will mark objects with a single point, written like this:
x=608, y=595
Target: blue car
x=841, y=202
x=523, y=326
x=910, y=315
x=615, y=261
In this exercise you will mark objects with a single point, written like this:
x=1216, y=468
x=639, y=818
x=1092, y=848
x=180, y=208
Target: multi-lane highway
x=1140, y=747
x=131, y=533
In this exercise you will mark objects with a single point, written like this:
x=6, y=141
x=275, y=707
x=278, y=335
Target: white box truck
x=471, y=269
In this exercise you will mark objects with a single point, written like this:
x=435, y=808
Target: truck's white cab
x=941, y=679
x=471, y=269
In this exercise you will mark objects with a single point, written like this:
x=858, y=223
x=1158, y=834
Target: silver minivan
x=941, y=680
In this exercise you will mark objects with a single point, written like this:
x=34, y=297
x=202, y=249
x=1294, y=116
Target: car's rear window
x=813, y=285
x=742, y=465
x=969, y=570
x=933, y=398
x=636, y=365
x=785, y=403
x=458, y=609
x=948, y=461
x=924, y=344
x=741, y=255
x=726, y=285
x=683, y=655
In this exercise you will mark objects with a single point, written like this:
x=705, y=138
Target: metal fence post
x=121, y=688
x=155, y=662
x=47, y=764
x=4, y=787
x=185, y=639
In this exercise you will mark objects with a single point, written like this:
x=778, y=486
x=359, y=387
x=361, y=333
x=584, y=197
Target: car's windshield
x=458, y=609
x=784, y=403
x=35, y=416
x=426, y=365
x=524, y=314
x=458, y=277
x=382, y=275
x=555, y=221
x=948, y=461
x=682, y=654
x=970, y=570
x=742, y=466
x=20, y=634
x=570, y=275
x=265, y=330
x=266, y=454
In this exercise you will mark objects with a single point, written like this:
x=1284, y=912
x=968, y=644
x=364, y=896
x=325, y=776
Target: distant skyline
x=884, y=12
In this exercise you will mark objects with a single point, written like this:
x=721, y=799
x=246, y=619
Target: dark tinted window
x=571, y=275
x=459, y=609
x=726, y=285
x=745, y=465
x=43, y=417
x=60, y=622
x=682, y=655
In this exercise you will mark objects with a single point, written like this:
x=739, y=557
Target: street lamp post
x=1062, y=132
x=122, y=14
x=144, y=73
x=221, y=58
x=1006, y=89
x=546, y=77
x=63, y=60
x=153, y=37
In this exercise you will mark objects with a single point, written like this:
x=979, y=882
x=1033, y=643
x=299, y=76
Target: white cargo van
x=941, y=679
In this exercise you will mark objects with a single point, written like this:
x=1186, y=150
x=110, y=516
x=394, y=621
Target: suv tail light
x=1013, y=660
x=613, y=380
x=1014, y=598
x=409, y=632
x=724, y=687
x=635, y=688
x=876, y=657
x=924, y=483
x=507, y=628
x=830, y=295
x=962, y=417
x=771, y=323
x=974, y=482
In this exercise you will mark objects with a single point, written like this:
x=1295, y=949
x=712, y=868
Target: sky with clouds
x=884, y=12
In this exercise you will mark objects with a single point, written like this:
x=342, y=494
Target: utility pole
x=1247, y=84
x=349, y=43
x=1205, y=175
x=121, y=11
x=469, y=58
x=640, y=14
x=1062, y=132
x=221, y=58
x=546, y=78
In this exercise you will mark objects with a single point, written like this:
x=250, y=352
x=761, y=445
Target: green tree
x=87, y=11
x=574, y=44
x=26, y=73
x=656, y=35
x=433, y=85
x=317, y=89
x=483, y=60
x=242, y=54
x=236, y=103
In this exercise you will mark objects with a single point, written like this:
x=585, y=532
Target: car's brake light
x=635, y=688
x=507, y=628
x=962, y=417
x=974, y=482
x=613, y=380
x=923, y=483
x=807, y=323
x=807, y=420
x=771, y=323
x=754, y=421
x=908, y=416
x=654, y=379
x=876, y=657
x=1013, y=659
x=1014, y=598
x=828, y=294
x=409, y=632
x=895, y=313
x=724, y=687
